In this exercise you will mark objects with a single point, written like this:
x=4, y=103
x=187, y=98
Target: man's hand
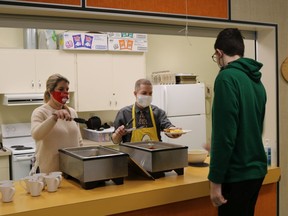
x=170, y=134
x=117, y=135
x=216, y=196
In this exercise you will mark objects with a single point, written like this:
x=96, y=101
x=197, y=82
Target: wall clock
x=284, y=69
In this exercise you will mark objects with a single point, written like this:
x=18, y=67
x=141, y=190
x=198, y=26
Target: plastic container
x=30, y=38
x=267, y=149
x=98, y=136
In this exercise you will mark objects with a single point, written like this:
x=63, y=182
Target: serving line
x=134, y=194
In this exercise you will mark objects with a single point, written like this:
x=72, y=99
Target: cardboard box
x=121, y=41
x=82, y=41
x=98, y=136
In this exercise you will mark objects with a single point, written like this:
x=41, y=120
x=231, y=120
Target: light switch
x=208, y=91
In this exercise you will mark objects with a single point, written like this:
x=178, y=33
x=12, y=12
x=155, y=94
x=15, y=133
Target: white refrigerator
x=184, y=105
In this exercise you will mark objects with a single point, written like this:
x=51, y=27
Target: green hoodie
x=237, y=152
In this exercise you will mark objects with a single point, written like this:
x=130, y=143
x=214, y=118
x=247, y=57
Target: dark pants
x=241, y=198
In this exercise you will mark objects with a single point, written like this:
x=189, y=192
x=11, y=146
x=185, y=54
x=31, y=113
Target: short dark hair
x=230, y=41
x=142, y=82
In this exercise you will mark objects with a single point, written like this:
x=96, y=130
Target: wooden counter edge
x=273, y=175
x=179, y=193
x=5, y=153
x=140, y=200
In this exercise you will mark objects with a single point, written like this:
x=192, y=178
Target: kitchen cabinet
x=26, y=71
x=17, y=71
x=48, y=62
x=4, y=165
x=106, y=80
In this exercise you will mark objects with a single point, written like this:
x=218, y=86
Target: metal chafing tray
x=94, y=164
x=158, y=157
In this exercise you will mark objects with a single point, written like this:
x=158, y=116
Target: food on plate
x=173, y=130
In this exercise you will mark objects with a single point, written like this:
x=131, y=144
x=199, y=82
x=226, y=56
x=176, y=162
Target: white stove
x=17, y=138
x=19, y=145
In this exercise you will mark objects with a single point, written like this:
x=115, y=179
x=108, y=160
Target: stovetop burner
x=17, y=138
x=20, y=147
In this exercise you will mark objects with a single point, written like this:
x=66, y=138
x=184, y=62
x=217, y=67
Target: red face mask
x=61, y=97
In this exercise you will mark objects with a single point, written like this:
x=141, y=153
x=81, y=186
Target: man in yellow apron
x=146, y=120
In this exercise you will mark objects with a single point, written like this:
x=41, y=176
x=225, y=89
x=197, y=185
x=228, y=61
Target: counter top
x=5, y=153
x=135, y=193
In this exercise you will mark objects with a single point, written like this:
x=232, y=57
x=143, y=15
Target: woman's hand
x=62, y=114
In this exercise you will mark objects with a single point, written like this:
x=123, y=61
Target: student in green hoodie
x=238, y=161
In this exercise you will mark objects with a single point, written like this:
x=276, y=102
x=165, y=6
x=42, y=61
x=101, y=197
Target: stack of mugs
x=36, y=183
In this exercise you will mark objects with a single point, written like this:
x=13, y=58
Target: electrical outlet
x=208, y=91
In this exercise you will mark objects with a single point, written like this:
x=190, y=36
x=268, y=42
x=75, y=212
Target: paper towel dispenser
x=23, y=99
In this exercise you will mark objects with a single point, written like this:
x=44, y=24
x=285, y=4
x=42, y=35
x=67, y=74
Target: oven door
x=20, y=165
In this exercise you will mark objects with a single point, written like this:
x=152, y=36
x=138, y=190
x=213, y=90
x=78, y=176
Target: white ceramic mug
x=6, y=182
x=7, y=191
x=24, y=182
x=52, y=183
x=40, y=176
x=57, y=174
x=35, y=187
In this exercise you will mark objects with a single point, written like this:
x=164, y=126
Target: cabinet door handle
x=39, y=84
x=115, y=103
x=110, y=103
x=32, y=84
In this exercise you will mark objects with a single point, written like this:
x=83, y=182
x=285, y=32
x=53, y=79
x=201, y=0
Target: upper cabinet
x=106, y=80
x=94, y=82
x=127, y=69
x=26, y=71
x=17, y=71
x=48, y=62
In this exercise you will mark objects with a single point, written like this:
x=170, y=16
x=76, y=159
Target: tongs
x=133, y=128
x=128, y=123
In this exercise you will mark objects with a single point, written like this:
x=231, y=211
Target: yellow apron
x=144, y=134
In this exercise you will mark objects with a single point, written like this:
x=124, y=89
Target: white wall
x=11, y=38
x=181, y=54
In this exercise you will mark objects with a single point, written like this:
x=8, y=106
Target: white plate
x=178, y=133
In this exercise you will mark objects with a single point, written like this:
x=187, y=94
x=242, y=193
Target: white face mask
x=144, y=100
